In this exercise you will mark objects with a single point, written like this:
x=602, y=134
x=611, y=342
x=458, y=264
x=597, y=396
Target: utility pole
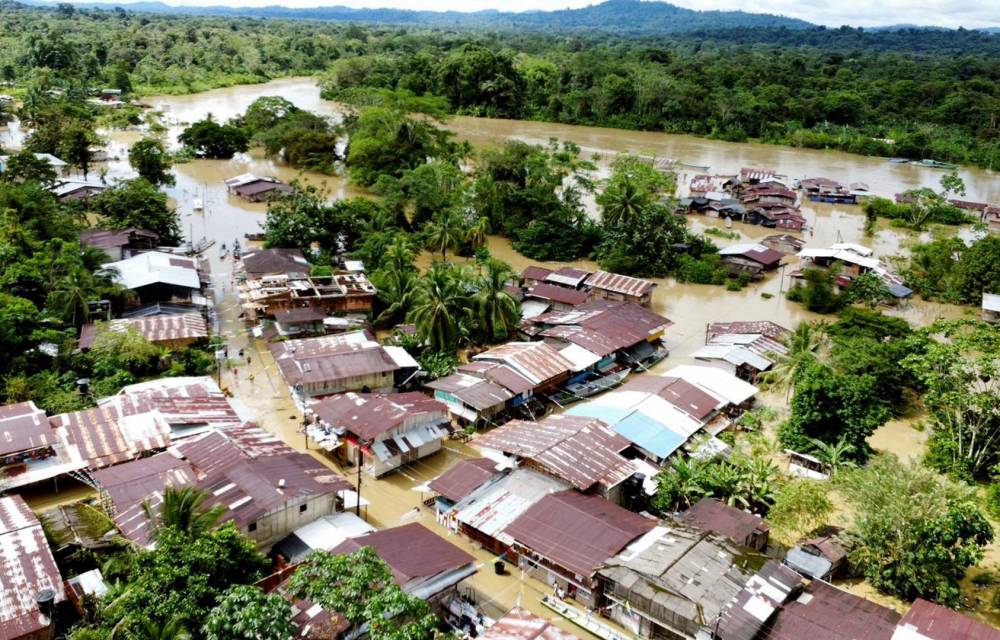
x=361, y=462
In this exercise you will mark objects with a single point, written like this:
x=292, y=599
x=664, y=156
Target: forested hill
x=625, y=16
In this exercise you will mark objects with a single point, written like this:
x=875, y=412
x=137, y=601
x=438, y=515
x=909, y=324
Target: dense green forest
x=933, y=93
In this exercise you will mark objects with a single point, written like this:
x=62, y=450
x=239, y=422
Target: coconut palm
x=496, y=310
x=446, y=231
x=805, y=345
x=441, y=302
x=182, y=509
x=70, y=294
x=476, y=235
x=623, y=201
x=397, y=290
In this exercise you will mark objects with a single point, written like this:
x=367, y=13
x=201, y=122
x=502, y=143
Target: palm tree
x=397, y=290
x=441, y=302
x=622, y=201
x=182, y=509
x=445, y=231
x=172, y=629
x=805, y=345
x=496, y=310
x=476, y=235
x=399, y=255
x=70, y=295
x=836, y=455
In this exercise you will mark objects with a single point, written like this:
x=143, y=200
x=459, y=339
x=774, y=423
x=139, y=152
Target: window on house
x=302, y=508
x=251, y=527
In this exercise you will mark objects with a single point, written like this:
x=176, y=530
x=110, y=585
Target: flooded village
x=512, y=493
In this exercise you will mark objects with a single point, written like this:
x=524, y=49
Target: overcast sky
x=947, y=13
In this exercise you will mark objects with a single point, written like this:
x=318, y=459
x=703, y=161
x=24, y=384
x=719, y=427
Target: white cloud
x=864, y=13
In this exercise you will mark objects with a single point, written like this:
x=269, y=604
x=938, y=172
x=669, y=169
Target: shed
x=928, y=621
x=991, y=307
x=821, y=557
x=463, y=478
x=744, y=528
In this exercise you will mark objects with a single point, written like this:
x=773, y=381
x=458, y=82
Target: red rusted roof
x=602, y=326
x=463, y=478
x=476, y=392
x=26, y=568
x=500, y=374
x=749, y=173
x=687, y=397
x=262, y=262
x=767, y=328
x=412, y=551
x=568, y=276
x=300, y=314
x=331, y=358
x=577, y=532
x=369, y=415
x=23, y=427
x=181, y=401
x=578, y=449
x=711, y=515
x=556, y=293
x=617, y=283
x=111, y=239
x=935, y=622
x=159, y=328
x=535, y=272
x=535, y=361
x=520, y=624
x=106, y=435
x=824, y=612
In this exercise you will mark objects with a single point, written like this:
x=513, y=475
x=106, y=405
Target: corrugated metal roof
x=158, y=328
x=535, y=361
x=491, y=507
x=580, y=450
x=767, y=328
x=617, y=283
x=556, y=293
x=753, y=251
x=649, y=433
x=577, y=532
x=463, y=478
x=568, y=276
x=23, y=426
x=521, y=624
x=26, y=568
x=331, y=358
x=108, y=435
x=274, y=261
x=534, y=272
x=757, y=603
x=154, y=267
x=721, y=519
x=476, y=392
x=412, y=551
x=928, y=621
x=602, y=326
x=824, y=612
x=370, y=415
x=716, y=382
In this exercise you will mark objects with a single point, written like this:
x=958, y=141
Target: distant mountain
x=629, y=16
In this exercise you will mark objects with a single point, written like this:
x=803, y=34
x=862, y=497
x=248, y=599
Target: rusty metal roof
x=369, y=415
x=602, y=326
x=824, y=612
x=536, y=361
x=463, y=478
x=556, y=293
x=767, y=328
x=576, y=531
x=108, y=435
x=331, y=358
x=274, y=261
x=534, y=272
x=568, y=276
x=476, y=392
x=934, y=622
x=709, y=514
x=687, y=397
x=26, y=568
x=521, y=624
x=158, y=328
x=500, y=374
x=617, y=283
x=412, y=551
x=578, y=449
x=23, y=427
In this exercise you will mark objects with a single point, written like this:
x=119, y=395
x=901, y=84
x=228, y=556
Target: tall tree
x=441, y=305
x=182, y=509
x=151, y=160
x=246, y=613
x=497, y=311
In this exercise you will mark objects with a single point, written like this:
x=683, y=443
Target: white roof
x=53, y=161
x=843, y=255
x=242, y=179
x=580, y=357
x=354, y=265
x=991, y=302
x=715, y=381
x=69, y=186
x=329, y=531
x=401, y=357
x=532, y=308
x=733, y=354
x=492, y=507
x=738, y=249
x=153, y=267
x=859, y=249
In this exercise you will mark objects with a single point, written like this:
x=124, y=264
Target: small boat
x=197, y=204
x=899, y=160
x=236, y=249
x=223, y=251
x=936, y=164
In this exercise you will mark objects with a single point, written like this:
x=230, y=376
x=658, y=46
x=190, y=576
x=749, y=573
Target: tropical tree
x=360, y=587
x=800, y=506
x=496, y=310
x=172, y=629
x=634, y=186
x=70, y=295
x=397, y=292
x=440, y=306
x=446, y=231
x=477, y=232
x=245, y=612
x=150, y=158
x=182, y=510
x=806, y=345
x=836, y=455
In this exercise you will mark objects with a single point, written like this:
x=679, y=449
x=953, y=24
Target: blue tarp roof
x=608, y=414
x=649, y=434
